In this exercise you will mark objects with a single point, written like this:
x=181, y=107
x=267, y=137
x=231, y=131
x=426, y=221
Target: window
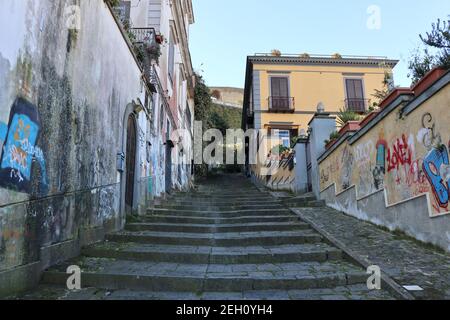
x=279, y=93
x=171, y=57
x=355, y=95
x=285, y=137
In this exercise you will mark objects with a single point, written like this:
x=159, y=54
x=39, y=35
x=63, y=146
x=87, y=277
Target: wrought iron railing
x=356, y=105
x=281, y=104
x=144, y=35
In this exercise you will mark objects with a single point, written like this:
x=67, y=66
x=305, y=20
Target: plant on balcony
x=337, y=56
x=281, y=152
x=276, y=53
x=345, y=116
x=333, y=137
x=305, y=56
x=159, y=38
x=387, y=87
x=153, y=51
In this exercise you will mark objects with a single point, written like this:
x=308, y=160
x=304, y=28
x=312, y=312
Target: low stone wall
x=395, y=170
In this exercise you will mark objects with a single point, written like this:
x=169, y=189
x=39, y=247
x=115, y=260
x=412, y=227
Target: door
x=168, y=168
x=130, y=163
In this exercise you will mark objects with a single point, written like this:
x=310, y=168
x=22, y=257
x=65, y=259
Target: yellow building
x=283, y=92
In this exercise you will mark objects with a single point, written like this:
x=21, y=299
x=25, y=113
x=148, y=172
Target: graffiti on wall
x=406, y=164
x=20, y=150
x=404, y=169
x=401, y=153
x=380, y=168
x=436, y=163
x=347, y=161
x=363, y=161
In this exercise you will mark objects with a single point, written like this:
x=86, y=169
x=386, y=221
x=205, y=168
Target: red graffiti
x=400, y=154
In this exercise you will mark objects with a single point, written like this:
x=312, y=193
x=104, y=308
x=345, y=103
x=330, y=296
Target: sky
x=226, y=31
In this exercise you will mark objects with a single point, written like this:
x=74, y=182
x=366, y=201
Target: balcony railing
x=356, y=105
x=144, y=35
x=281, y=104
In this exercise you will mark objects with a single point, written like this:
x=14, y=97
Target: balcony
x=357, y=105
x=147, y=49
x=281, y=104
x=145, y=36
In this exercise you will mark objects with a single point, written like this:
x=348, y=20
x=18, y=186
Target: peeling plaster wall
x=63, y=97
x=397, y=173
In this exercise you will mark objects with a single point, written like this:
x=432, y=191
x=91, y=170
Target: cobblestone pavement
x=405, y=260
x=227, y=240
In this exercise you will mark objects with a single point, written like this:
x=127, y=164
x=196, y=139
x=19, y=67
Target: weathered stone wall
x=396, y=171
x=65, y=96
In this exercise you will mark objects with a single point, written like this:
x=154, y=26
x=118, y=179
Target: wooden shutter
x=354, y=89
x=355, y=95
x=171, y=57
x=275, y=87
x=284, y=92
x=280, y=87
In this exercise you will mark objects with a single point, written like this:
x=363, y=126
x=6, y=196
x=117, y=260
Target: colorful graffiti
x=401, y=153
x=404, y=169
x=380, y=168
x=20, y=150
x=406, y=157
x=436, y=164
x=3, y=132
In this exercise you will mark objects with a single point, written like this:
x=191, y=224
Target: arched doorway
x=130, y=164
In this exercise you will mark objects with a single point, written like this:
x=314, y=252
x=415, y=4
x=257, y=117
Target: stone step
x=220, y=195
x=134, y=275
x=200, y=207
x=218, y=220
x=207, y=202
x=219, y=214
x=319, y=252
x=350, y=292
x=213, y=228
x=222, y=239
x=305, y=204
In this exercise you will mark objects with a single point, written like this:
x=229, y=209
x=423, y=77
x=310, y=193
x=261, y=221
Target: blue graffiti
x=22, y=135
x=20, y=150
x=432, y=163
x=3, y=132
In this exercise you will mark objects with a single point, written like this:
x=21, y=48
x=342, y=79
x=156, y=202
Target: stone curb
x=393, y=287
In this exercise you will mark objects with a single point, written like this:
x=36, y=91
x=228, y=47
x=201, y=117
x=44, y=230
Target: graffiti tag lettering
x=400, y=154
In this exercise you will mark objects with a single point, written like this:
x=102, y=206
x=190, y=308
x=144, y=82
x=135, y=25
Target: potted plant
x=159, y=38
x=276, y=53
x=346, y=116
x=333, y=137
x=305, y=55
x=337, y=56
x=153, y=51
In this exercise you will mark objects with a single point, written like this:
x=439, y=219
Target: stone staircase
x=226, y=240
